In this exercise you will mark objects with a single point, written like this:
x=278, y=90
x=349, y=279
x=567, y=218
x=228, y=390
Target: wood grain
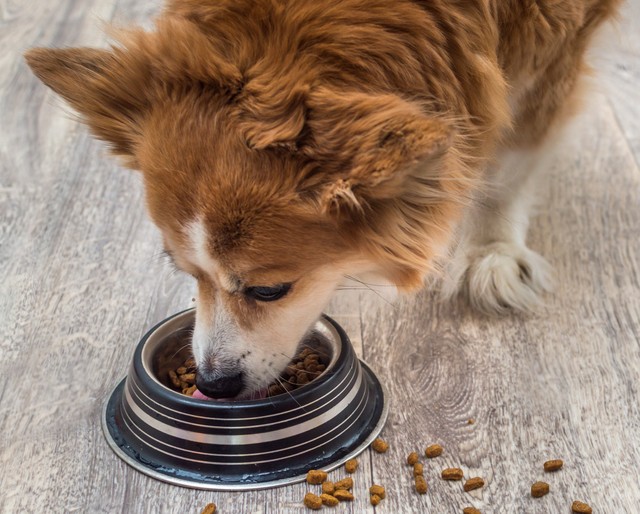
x=81, y=280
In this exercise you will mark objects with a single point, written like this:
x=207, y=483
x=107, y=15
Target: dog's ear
x=272, y=116
x=109, y=97
x=370, y=144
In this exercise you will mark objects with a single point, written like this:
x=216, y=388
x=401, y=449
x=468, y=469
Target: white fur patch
x=199, y=254
x=492, y=265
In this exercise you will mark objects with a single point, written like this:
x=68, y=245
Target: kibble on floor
x=329, y=500
x=581, y=508
x=312, y=501
x=343, y=495
x=328, y=487
x=210, y=508
x=452, y=474
x=344, y=484
x=473, y=483
x=377, y=490
x=539, y=489
x=316, y=476
x=351, y=466
x=553, y=465
x=413, y=458
x=421, y=484
x=380, y=445
x=433, y=451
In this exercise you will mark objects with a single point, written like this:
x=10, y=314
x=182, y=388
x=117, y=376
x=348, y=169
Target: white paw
x=500, y=277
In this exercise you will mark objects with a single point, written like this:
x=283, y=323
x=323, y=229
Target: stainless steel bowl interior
x=169, y=346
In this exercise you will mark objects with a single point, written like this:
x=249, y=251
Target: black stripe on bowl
x=216, y=458
x=258, y=442
x=172, y=417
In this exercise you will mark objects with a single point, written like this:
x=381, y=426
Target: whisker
x=349, y=277
x=287, y=391
x=268, y=394
x=182, y=348
x=301, y=346
x=320, y=352
x=367, y=286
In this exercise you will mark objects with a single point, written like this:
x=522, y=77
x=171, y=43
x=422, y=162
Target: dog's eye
x=267, y=294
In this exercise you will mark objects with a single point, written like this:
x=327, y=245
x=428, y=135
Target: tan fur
x=349, y=132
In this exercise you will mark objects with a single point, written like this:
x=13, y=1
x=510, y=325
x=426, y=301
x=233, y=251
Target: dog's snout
x=226, y=386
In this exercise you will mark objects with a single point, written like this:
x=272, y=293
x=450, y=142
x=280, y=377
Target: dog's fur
x=298, y=142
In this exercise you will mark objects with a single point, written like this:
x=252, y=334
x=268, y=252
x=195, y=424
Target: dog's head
x=268, y=194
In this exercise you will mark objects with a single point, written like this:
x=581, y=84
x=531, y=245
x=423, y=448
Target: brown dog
x=287, y=144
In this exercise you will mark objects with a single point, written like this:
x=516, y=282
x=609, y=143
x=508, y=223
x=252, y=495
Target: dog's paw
x=502, y=277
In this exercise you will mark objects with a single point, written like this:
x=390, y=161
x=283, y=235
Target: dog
x=287, y=144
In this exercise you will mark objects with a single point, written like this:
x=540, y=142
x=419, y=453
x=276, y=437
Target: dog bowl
x=240, y=445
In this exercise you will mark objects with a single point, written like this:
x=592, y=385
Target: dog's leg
x=491, y=265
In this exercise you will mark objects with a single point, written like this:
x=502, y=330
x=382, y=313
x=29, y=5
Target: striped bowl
x=245, y=444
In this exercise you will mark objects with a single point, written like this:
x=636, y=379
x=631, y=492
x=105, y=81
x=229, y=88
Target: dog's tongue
x=198, y=395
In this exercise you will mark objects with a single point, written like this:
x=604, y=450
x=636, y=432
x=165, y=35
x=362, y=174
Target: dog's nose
x=226, y=386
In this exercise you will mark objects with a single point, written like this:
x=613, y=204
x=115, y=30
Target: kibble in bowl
x=309, y=364
x=245, y=444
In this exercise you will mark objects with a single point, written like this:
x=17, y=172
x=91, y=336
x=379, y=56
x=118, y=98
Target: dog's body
x=287, y=144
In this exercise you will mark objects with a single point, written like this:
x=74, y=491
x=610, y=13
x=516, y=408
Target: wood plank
x=81, y=280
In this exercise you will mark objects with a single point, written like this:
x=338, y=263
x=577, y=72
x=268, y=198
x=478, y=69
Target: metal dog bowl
x=244, y=444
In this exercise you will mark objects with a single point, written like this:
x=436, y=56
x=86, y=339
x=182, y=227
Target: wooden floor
x=81, y=280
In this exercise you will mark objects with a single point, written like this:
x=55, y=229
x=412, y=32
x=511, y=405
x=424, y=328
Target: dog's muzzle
x=226, y=386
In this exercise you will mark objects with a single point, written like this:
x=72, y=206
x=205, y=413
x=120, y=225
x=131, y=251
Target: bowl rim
x=295, y=397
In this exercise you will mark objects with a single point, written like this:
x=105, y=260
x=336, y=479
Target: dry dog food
x=316, y=476
x=345, y=484
x=380, y=445
x=313, y=501
x=328, y=487
x=343, y=495
x=421, y=484
x=539, y=489
x=329, y=500
x=412, y=458
x=183, y=378
x=376, y=494
x=470, y=510
x=210, y=508
x=452, y=474
x=473, y=483
x=432, y=451
x=553, y=465
x=418, y=469
x=351, y=465
x=378, y=490
x=306, y=366
x=580, y=507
